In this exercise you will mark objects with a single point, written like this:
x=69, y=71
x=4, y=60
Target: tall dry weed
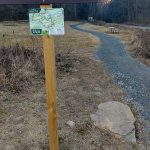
x=141, y=44
x=21, y=66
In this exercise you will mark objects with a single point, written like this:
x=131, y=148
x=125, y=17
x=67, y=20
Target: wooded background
x=119, y=11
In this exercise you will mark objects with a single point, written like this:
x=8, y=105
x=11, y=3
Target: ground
x=82, y=84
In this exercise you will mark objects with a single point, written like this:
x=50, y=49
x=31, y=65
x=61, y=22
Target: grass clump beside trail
x=19, y=67
x=142, y=44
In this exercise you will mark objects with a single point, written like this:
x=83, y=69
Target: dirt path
x=130, y=74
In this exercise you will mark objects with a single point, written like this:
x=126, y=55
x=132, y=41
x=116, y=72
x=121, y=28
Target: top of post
x=11, y=2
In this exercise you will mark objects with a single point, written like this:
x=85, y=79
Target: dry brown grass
x=20, y=67
x=76, y=42
x=22, y=57
x=94, y=27
x=21, y=35
x=141, y=46
x=82, y=84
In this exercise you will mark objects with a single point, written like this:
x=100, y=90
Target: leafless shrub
x=20, y=66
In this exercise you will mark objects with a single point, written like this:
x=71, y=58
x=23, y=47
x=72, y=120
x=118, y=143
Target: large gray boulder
x=117, y=118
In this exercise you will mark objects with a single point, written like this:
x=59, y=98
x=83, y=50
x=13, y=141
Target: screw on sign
x=52, y=28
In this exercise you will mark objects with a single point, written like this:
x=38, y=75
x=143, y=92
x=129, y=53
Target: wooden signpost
x=50, y=71
x=50, y=76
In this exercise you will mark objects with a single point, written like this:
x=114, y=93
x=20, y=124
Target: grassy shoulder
x=82, y=84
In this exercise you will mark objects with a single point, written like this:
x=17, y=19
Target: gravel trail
x=129, y=73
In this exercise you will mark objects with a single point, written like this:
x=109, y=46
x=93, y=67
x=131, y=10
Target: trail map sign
x=46, y=21
x=44, y=1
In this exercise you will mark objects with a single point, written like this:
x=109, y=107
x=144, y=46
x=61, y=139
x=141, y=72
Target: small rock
x=71, y=124
x=117, y=118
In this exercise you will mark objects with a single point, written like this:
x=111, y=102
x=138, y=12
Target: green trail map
x=46, y=21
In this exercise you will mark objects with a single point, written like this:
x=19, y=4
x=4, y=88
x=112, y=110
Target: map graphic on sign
x=46, y=21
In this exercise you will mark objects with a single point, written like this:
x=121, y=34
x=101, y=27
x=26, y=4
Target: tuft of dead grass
x=19, y=67
x=141, y=44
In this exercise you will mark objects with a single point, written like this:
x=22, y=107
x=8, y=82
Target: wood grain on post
x=50, y=73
